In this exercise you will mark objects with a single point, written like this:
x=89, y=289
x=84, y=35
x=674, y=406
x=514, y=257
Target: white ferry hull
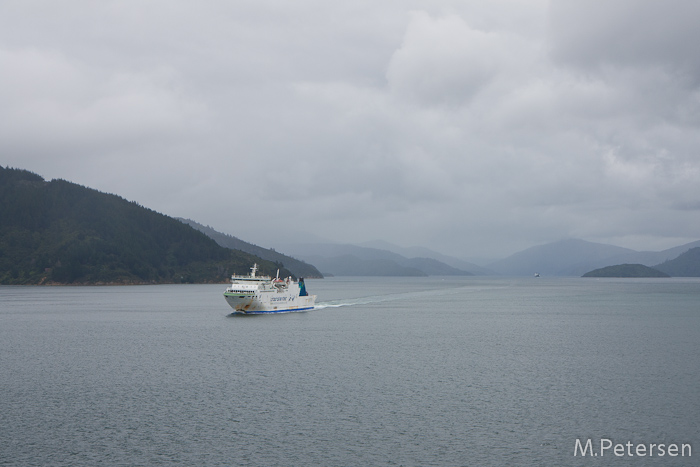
x=254, y=294
x=250, y=305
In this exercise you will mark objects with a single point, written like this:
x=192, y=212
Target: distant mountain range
x=576, y=257
x=297, y=267
x=421, y=252
x=59, y=232
x=571, y=257
x=353, y=260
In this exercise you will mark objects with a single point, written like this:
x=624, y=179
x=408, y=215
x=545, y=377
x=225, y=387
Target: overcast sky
x=476, y=128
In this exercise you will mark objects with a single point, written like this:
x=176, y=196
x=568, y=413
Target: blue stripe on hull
x=264, y=312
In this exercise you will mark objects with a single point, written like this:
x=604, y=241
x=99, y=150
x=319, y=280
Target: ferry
x=253, y=294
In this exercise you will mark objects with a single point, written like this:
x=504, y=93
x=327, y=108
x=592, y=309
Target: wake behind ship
x=253, y=294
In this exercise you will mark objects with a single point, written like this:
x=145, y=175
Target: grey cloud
x=442, y=61
x=626, y=32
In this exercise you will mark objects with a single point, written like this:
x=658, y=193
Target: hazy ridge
x=297, y=267
x=574, y=257
x=353, y=260
x=685, y=265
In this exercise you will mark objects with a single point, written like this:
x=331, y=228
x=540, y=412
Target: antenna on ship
x=254, y=269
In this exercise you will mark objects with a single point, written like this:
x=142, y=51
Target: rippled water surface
x=390, y=371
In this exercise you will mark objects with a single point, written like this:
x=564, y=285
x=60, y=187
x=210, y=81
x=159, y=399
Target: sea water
x=385, y=371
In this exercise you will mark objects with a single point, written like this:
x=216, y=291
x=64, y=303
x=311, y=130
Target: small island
x=626, y=270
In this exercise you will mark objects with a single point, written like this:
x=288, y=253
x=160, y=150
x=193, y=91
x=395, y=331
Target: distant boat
x=537, y=274
x=254, y=294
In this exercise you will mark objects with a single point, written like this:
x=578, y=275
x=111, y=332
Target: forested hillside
x=64, y=233
x=626, y=270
